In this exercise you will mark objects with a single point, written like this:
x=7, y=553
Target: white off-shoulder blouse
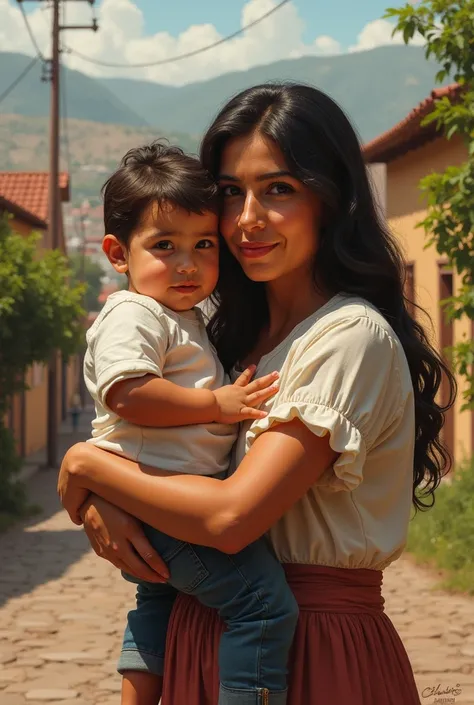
x=343, y=371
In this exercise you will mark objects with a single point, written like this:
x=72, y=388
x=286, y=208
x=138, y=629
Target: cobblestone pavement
x=62, y=612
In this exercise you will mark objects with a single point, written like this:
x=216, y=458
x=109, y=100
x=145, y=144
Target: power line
x=30, y=31
x=17, y=80
x=189, y=54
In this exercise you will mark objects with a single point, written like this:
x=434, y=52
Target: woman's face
x=269, y=220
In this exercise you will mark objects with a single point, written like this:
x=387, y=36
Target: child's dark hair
x=155, y=173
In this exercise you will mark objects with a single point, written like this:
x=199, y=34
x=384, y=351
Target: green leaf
x=39, y=312
x=408, y=31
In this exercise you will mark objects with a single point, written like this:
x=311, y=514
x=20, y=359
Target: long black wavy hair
x=356, y=254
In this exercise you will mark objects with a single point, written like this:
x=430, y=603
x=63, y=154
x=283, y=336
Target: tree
x=39, y=313
x=84, y=269
x=448, y=30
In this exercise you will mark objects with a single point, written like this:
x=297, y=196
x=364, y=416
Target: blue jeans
x=249, y=590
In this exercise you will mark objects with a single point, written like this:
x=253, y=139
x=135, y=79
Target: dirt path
x=62, y=612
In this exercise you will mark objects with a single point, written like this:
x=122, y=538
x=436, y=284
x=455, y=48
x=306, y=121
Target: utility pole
x=84, y=210
x=54, y=205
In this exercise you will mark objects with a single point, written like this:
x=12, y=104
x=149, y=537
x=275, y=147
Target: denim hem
x=251, y=696
x=135, y=660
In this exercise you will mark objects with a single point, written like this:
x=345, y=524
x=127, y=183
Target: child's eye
x=280, y=189
x=204, y=244
x=230, y=190
x=164, y=245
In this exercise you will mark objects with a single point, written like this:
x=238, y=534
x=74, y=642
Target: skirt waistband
x=323, y=589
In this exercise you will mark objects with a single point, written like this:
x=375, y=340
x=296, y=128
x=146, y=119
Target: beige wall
x=405, y=208
x=36, y=409
x=25, y=229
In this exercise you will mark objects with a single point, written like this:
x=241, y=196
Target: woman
x=312, y=285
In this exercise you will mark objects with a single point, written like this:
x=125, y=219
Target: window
x=37, y=374
x=409, y=289
x=446, y=340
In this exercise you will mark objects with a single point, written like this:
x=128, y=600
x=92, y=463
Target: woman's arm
x=283, y=463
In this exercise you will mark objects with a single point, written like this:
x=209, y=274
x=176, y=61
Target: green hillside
x=86, y=98
x=90, y=151
x=376, y=88
x=106, y=117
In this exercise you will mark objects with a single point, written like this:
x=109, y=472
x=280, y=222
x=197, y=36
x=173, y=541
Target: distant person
x=162, y=398
x=311, y=284
x=75, y=411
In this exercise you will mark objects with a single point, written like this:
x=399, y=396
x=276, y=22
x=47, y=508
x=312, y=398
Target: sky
x=143, y=31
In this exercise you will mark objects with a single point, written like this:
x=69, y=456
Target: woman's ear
x=116, y=253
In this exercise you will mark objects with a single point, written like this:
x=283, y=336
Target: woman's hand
x=71, y=494
x=119, y=538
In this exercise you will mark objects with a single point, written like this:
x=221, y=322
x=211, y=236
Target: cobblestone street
x=62, y=613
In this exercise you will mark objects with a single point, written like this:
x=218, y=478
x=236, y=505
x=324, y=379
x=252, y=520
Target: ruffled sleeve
x=343, y=381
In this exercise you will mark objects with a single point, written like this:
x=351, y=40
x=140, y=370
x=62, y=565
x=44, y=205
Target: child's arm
x=153, y=401
x=129, y=351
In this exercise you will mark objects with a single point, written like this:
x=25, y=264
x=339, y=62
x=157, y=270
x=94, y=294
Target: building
x=25, y=197
x=410, y=152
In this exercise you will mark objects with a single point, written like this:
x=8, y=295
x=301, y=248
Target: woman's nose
x=251, y=216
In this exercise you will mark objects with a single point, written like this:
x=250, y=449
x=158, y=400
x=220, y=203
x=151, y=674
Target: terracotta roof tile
x=408, y=133
x=29, y=190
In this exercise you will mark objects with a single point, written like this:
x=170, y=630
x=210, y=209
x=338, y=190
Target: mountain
x=376, y=88
x=86, y=98
x=90, y=151
x=106, y=117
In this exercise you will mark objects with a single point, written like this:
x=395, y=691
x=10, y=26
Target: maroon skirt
x=346, y=650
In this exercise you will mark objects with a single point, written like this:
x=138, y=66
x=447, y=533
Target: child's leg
x=251, y=593
x=142, y=658
x=140, y=688
x=261, y=615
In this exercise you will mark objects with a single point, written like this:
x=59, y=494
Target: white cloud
x=327, y=45
x=13, y=34
x=122, y=38
x=378, y=33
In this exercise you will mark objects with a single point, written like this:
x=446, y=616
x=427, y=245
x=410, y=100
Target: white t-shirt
x=343, y=373
x=135, y=336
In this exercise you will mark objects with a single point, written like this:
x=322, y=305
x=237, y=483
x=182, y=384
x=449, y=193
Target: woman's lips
x=256, y=249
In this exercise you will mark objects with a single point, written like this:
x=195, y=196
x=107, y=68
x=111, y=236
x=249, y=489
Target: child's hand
x=236, y=402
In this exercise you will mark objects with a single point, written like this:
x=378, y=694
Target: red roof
x=29, y=191
x=409, y=133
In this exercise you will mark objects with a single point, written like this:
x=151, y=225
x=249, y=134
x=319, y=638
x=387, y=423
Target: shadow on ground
x=40, y=549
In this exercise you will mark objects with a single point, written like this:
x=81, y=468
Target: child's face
x=173, y=256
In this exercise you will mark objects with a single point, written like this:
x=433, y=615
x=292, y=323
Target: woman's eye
x=164, y=245
x=281, y=189
x=204, y=244
x=230, y=190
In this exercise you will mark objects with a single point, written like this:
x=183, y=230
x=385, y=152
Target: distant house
x=108, y=289
x=410, y=152
x=24, y=195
